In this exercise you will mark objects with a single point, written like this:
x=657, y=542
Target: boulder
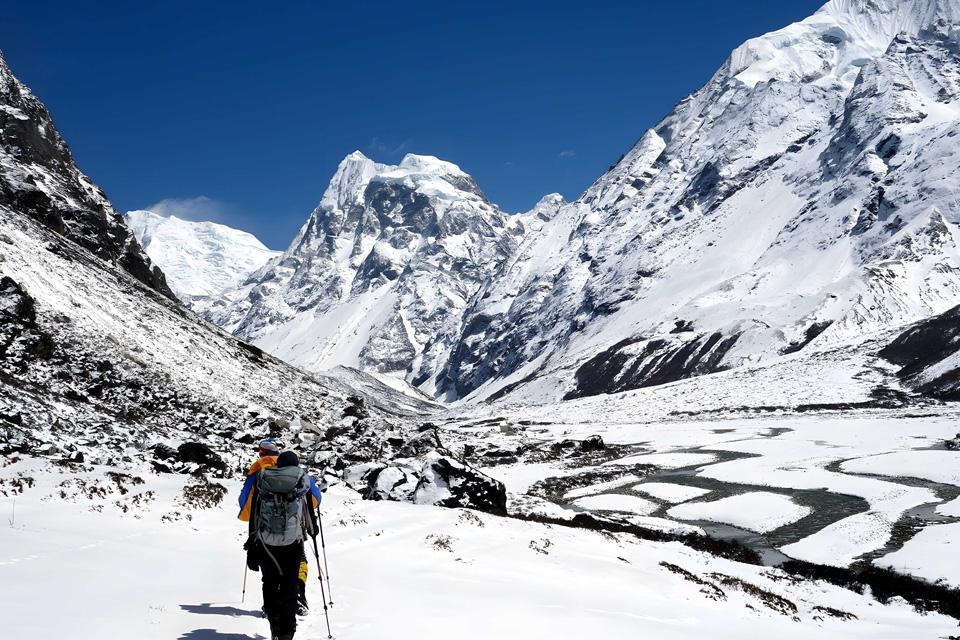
x=420, y=444
x=355, y=411
x=593, y=443
x=361, y=477
x=396, y=482
x=164, y=452
x=447, y=482
x=200, y=454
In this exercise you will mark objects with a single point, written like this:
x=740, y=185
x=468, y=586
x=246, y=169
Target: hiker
x=274, y=502
x=269, y=449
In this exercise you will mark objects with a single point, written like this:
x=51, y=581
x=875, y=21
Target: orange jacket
x=250, y=485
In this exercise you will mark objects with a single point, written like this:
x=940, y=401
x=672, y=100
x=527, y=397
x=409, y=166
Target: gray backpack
x=281, y=506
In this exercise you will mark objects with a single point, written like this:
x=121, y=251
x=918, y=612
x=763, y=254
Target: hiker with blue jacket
x=279, y=500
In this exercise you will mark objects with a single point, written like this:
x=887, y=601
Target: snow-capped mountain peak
x=379, y=273
x=199, y=258
x=833, y=44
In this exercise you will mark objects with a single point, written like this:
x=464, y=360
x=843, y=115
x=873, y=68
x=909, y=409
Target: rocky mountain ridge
x=380, y=273
x=39, y=178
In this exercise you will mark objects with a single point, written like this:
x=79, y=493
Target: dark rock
x=164, y=452
x=811, y=334
x=924, y=345
x=446, y=482
x=355, y=411
x=246, y=438
x=637, y=362
x=201, y=454
x=420, y=444
x=338, y=430
x=160, y=467
x=593, y=443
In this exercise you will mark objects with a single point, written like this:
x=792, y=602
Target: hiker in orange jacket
x=269, y=449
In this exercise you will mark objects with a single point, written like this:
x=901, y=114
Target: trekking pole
x=323, y=544
x=243, y=595
x=323, y=594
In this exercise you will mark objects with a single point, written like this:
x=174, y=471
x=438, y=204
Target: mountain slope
x=807, y=194
x=929, y=355
x=198, y=258
x=379, y=274
x=98, y=366
x=39, y=178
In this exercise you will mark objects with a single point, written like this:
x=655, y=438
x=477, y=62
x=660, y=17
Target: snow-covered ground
x=617, y=502
x=936, y=466
x=164, y=569
x=671, y=492
x=761, y=512
x=871, y=477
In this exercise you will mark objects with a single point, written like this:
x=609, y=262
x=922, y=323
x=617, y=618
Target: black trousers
x=280, y=586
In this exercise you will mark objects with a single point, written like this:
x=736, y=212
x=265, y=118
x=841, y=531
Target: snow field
x=398, y=571
x=617, y=502
x=931, y=554
x=673, y=493
x=760, y=512
x=935, y=466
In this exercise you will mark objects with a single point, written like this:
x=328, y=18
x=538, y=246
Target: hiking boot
x=286, y=636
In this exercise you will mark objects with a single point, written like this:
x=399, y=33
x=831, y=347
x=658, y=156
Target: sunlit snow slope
x=198, y=258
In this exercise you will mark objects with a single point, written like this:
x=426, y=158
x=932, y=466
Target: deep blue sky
x=254, y=104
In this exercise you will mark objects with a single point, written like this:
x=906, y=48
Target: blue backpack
x=282, y=507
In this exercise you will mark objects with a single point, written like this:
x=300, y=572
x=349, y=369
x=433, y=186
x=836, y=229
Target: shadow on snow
x=212, y=634
x=208, y=608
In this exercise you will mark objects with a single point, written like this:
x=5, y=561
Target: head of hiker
x=268, y=447
x=288, y=459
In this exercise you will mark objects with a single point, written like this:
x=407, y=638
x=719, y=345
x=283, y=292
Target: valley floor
x=87, y=555
x=840, y=489
x=92, y=552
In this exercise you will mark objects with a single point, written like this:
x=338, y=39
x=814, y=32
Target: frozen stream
x=776, y=485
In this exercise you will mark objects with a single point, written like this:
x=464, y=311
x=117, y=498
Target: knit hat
x=269, y=446
x=288, y=459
